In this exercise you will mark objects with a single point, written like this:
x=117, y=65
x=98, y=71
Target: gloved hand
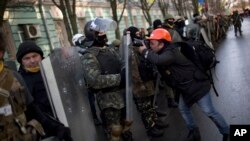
x=63, y=133
x=123, y=78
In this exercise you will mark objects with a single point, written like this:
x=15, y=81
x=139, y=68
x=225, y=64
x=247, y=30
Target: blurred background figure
x=237, y=20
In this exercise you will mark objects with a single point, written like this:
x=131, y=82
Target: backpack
x=201, y=55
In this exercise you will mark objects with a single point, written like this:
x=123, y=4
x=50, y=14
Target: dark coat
x=40, y=108
x=180, y=73
x=37, y=89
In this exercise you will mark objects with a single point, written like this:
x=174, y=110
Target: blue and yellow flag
x=200, y=5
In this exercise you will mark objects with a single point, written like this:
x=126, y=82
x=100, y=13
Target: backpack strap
x=212, y=83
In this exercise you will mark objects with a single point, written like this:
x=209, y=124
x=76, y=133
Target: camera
x=138, y=43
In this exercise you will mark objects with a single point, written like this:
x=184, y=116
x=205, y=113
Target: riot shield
x=125, y=54
x=103, y=24
x=205, y=37
x=63, y=77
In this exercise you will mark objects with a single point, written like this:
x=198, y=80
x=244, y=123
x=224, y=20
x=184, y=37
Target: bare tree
x=145, y=6
x=163, y=5
x=113, y=5
x=218, y=6
x=3, y=6
x=195, y=6
x=69, y=15
x=243, y=4
x=178, y=4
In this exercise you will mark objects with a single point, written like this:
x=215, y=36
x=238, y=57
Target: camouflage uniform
x=13, y=100
x=176, y=37
x=99, y=62
x=143, y=90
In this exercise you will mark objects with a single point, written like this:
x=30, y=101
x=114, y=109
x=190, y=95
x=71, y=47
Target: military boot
x=193, y=135
x=126, y=133
x=161, y=123
x=127, y=136
x=116, y=131
x=155, y=132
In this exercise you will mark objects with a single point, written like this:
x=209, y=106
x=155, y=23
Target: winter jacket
x=37, y=89
x=180, y=73
x=40, y=108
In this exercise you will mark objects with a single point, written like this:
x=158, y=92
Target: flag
x=200, y=2
x=150, y=1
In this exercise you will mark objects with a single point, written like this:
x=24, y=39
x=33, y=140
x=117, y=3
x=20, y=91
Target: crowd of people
x=25, y=110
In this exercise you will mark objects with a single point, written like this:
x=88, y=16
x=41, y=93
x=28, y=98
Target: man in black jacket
x=183, y=75
x=29, y=55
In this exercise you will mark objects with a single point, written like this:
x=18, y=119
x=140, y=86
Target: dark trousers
x=237, y=28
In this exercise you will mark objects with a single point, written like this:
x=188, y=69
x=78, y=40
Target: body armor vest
x=12, y=107
x=109, y=63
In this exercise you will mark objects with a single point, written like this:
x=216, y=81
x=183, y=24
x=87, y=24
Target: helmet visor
x=103, y=24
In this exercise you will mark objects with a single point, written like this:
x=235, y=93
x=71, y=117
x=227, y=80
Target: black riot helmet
x=89, y=33
x=93, y=27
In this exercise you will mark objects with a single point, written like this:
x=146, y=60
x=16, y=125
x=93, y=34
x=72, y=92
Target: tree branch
x=57, y=5
x=3, y=5
x=124, y=6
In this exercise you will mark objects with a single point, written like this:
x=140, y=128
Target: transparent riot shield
x=63, y=77
x=138, y=129
x=125, y=53
x=103, y=24
x=205, y=37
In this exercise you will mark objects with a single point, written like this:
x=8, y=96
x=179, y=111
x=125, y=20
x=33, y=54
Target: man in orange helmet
x=182, y=75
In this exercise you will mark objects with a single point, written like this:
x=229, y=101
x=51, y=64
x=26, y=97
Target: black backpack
x=201, y=55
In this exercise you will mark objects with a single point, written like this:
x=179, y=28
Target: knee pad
x=116, y=131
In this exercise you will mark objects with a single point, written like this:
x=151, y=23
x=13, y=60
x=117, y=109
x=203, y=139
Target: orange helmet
x=159, y=34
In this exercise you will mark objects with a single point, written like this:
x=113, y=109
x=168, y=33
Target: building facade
x=42, y=21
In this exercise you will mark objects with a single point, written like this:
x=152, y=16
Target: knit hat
x=27, y=47
x=116, y=43
x=133, y=31
x=157, y=23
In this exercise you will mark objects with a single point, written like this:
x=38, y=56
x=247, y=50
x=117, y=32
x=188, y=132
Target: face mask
x=101, y=41
x=34, y=69
x=171, y=23
x=1, y=65
x=138, y=37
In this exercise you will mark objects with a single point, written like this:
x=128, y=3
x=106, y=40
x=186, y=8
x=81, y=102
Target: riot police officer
x=104, y=75
x=78, y=41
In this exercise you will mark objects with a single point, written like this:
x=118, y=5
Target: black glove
x=63, y=133
x=123, y=78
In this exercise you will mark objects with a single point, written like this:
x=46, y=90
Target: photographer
x=181, y=74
